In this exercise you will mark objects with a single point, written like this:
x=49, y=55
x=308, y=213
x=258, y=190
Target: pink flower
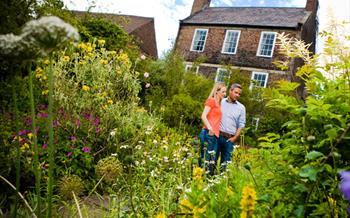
x=86, y=149
x=70, y=154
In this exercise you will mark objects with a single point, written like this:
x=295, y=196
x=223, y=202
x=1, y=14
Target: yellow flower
x=248, y=201
x=186, y=205
x=101, y=42
x=198, y=173
x=160, y=215
x=24, y=147
x=103, y=62
x=198, y=212
x=46, y=61
x=110, y=101
x=85, y=88
x=66, y=58
x=30, y=135
x=43, y=78
x=45, y=92
x=82, y=46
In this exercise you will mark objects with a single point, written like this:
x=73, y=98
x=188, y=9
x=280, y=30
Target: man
x=232, y=122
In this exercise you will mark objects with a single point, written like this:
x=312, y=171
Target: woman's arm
x=205, y=119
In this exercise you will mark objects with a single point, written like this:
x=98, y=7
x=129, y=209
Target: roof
x=141, y=27
x=249, y=16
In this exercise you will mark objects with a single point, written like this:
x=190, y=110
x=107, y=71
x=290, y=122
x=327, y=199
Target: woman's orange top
x=214, y=115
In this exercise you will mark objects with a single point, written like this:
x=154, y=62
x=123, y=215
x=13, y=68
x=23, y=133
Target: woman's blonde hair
x=217, y=87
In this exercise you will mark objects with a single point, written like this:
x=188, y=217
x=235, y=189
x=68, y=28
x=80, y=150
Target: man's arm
x=234, y=138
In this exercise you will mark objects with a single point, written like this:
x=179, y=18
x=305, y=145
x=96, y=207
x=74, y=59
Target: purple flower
x=69, y=154
x=344, y=185
x=72, y=147
x=44, y=146
x=86, y=149
x=73, y=138
x=55, y=123
x=97, y=121
x=77, y=123
x=43, y=115
x=98, y=130
x=23, y=132
x=87, y=116
x=28, y=121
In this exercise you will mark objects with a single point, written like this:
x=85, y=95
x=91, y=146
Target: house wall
x=246, y=50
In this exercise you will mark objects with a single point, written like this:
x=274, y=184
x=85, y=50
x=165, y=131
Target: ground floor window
x=259, y=79
x=221, y=75
x=190, y=67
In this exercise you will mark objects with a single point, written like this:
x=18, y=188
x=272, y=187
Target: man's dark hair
x=235, y=85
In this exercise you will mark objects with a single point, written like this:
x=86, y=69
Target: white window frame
x=252, y=79
x=194, y=36
x=217, y=74
x=260, y=41
x=189, y=67
x=237, y=41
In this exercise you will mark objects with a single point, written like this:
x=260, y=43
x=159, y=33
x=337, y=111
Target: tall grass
x=35, y=141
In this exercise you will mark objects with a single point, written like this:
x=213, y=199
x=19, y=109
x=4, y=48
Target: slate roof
x=141, y=27
x=249, y=16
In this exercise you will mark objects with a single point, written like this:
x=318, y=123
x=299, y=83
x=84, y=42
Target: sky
x=168, y=13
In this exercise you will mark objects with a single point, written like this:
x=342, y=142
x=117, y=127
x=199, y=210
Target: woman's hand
x=210, y=132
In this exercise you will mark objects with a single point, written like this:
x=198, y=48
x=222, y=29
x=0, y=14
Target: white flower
x=147, y=85
x=112, y=133
x=165, y=159
x=137, y=163
x=124, y=146
x=155, y=142
x=153, y=173
x=146, y=75
x=114, y=154
x=143, y=57
x=212, y=152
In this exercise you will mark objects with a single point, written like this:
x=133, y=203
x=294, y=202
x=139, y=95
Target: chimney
x=199, y=5
x=311, y=5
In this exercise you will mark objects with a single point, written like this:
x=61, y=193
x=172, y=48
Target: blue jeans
x=202, y=142
x=225, y=148
x=211, y=154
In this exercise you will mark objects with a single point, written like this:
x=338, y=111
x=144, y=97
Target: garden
x=94, y=128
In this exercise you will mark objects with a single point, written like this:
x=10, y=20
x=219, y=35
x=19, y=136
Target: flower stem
x=50, y=144
x=35, y=140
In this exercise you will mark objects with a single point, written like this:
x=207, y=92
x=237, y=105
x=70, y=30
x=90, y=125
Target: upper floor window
x=266, y=44
x=231, y=42
x=259, y=79
x=190, y=67
x=221, y=75
x=199, y=38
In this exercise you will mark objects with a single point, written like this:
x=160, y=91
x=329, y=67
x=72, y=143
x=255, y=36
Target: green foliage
x=116, y=38
x=14, y=14
x=183, y=93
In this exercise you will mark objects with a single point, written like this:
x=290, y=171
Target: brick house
x=142, y=28
x=243, y=38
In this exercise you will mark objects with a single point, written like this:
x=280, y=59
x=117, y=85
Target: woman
x=211, y=117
